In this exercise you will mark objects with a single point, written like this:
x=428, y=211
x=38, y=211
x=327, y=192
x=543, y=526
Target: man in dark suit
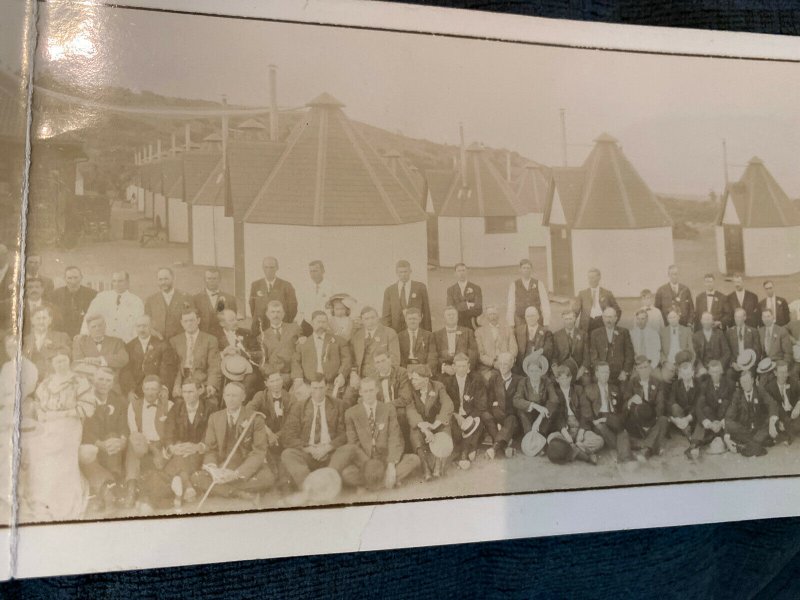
x=374, y=456
x=394, y=387
x=467, y=390
x=752, y=415
x=745, y=299
x=612, y=344
x=774, y=339
x=278, y=342
x=34, y=298
x=533, y=338
x=100, y=349
x=373, y=336
x=313, y=430
x=274, y=403
x=33, y=268
x=571, y=342
x=211, y=302
x=197, y=357
x=645, y=409
x=681, y=404
x=675, y=296
x=785, y=390
x=709, y=344
x=271, y=288
x=403, y=295
x=741, y=337
x=779, y=306
x=321, y=354
x=591, y=303
x=499, y=417
x=451, y=340
x=166, y=306
x=712, y=404
x=72, y=301
x=429, y=413
x=417, y=346
x=147, y=355
x=606, y=411
x=38, y=344
x=712, y=301
x=466, y=297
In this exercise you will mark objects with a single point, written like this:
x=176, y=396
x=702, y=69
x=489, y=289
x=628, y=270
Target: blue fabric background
x=756, y=559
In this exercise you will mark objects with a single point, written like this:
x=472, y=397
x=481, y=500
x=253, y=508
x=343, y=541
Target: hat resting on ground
x=645, y=413
x=322, y=485
x=559, y=450
x=532, y=443
x=532, y=360
x=717, y=446
x=441, y=445
x=746, y=359
x=765, y=366
x=235, y=367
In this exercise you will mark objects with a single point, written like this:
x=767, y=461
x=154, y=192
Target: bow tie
x=152, y=404
x=452, y=330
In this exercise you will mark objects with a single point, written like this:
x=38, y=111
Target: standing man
x=404, y=294
x=452, y=340
x=646, y=342
x=72, y=301
x=591, y=303
x=524, y=292
x=655, y=320
x=494, y=338
x=279, y=342
x=744, y=299
x=612, y=344
x=712, y=301
x=774, y=339
x=312, y=296
x=709, y=345
x=416, y=344
x=675, y=338
x=212, y=301
x=271, y=288
x=119, y=307
x=33, y=268
x=570, y=342
x=8, y=286
x=675, y=296
x=741, y=337
x=373, y=336
x=778, y=305
x=34, y=299
x=466, y=297
x=533, y=338
x=322, y=354
x=197, y=357
x=167, y=306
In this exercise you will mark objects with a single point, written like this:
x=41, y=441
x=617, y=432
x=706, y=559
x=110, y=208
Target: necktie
x=786, y=405
x=768, y=340
x=413, y=340
x=99, y=346
x=372, y=423
x=403, y=302
x=190, y=352
x=594, y=297
x=152, y=404
x=741, y=335
x=316, y=289
x=269, y=288
x=119, y=299
x=277, y=331
x=230, y=432
x=317, y=425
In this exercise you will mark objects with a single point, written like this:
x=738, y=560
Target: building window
x=501, y=224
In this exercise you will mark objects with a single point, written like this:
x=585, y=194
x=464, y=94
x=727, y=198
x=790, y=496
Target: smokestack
x=563, y=137
x=508, y=166
x=187, y=136
x=463, y=156
x=224, y=131
x=273, y=103
x=725, y=160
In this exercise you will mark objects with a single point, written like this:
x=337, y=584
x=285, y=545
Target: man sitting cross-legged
x=751, y=419
x=499, y=417
x=429, y=414
x=712, y=404
x=467, y=390
x=607, y=412
x=373, y=456
x=644, y=406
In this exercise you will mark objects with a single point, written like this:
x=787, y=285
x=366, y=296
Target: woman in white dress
x=341, y=323
x=54, y=489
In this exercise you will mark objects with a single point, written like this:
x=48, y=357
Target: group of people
x=168, y=400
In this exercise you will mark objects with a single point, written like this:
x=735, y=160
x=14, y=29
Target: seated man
x=569, y=342
x=606, y=410
x=322, y=353
x=785, y=390
x=774, y=339
x=313, y=429
x=366, y=341
x=241, y=471
x=452, y=340
x=416, y=344
x=531, y=393
x=197, y=357
x=38, y=343
x=279, y=342
x=644, y=410
x=675, y=338
x=568, y=427
x=146, y=417
x=100, y=349
x=235, y=340
x=373, y=456
x=467, y=390
x=494, y=337
x=612, y=344
x=274, y=403
x=429, y=413
x=533, y=338
x=499, y=418
x=751, y=419
x=682, y=401
x=712, y=404
x=147, y=355
x=105, y=436
x=709, y=344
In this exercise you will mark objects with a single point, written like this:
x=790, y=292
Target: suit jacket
x=647, y=342
x=387, y=443
x=206, y=359
x=208, y=314
x=72, y=307
x=400, y=389
x=488, y=348
x=282, y=291
x=41, y=358
x=55, y=313
x=178, y=429
x=436, y=407
x=474, y=400
x=159, y=359
x=465, y=343
x=384, y=338
x=751, y=415
x=655, y=395
x=526, y=394
x=467, y=317
x=393, y=310
x=251, y=455
x=336, y=359
x=110, y=420
x=684, y=341
x=425, y=351
x=582, y=304
x=792, y=394
x=712, y=403
x=278, y=354
x=166, y=320
x=264, y=403
x=780, y=346
x=751, y=340
x=594, y=401
x=618, y=354
x=542, y=341
x=666, y=300
x=111, y=349
x=686, y=399
x=557, y=406
x=782, y=313
x=246, y=340
x=715, y=348
x=750, y=306
x=296, y=431
x=720, y=309
x=500, y=399
x=564, y=348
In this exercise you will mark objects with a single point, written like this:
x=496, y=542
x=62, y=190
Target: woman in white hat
x=339, y=307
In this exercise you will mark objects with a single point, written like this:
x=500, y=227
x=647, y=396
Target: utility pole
x=725, y=160
x=563, y=137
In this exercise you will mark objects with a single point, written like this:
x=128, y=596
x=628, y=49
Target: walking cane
x=230, y=456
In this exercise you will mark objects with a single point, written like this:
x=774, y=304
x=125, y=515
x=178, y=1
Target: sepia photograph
x=271, y=265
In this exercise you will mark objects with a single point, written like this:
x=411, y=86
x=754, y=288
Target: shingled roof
x=531, y=188
x=611, y=194
x=172, y=177
x=197, y=167
x=329, y=175
x=438, y=183
x=759, y=200
x=408, y=175
x=487, y=194
x=250, y=165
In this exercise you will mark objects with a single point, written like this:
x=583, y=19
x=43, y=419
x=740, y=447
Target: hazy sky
x=670, y=113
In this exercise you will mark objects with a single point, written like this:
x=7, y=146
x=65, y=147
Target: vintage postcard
x=321, y=277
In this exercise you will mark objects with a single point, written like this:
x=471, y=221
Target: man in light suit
x=532, y=337
x=197, y=357
x=166, y=306
x=646, y=342
x=416, y=344
x=279, y=342
x=591, y=303
x=709, y=345
x=779, y=306
x=100, y=349
x=675, y=296
x=451, y=340
x=745, y=299
x=211, y=302
x=674, y=338
x=403, y=295
x=714, y=302
x=322, y=353
x=367, y=340
x=466, y=297
x=147, y=356
x=271, y=287
x=493, y=338
x=775, y=341
x=612, y=344
x=119, y=306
